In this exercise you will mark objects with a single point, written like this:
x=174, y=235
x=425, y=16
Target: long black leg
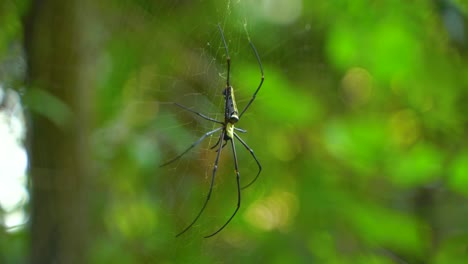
x=192, y=146
x=238, y=190
x=228, y=58
x=255, y=158
x=215, y=145
x=199, y=114
x=215, y=168
x=261, y=81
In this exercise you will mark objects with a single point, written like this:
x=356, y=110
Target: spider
x=228, y=134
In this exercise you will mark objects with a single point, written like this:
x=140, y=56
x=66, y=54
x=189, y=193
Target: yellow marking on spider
x=230, y=130
x=235, y=113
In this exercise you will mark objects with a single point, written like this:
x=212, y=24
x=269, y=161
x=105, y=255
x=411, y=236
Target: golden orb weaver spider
x=231, y=117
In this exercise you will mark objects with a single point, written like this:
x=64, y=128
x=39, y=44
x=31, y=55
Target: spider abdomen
x=232, y=115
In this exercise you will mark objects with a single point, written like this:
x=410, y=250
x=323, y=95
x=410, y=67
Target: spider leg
x=199, y=114
x=215, y=145
x=240, y=130
x=192, y=146
x=261, y=81
x=228, y=58
x=215, y=168
x=255, y=158
x=238, y=190
x=225, y=143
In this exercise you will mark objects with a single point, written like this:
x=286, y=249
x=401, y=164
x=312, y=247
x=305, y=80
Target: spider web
x=194, y=169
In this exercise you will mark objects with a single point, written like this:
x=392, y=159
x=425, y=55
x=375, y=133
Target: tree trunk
x=59, y=150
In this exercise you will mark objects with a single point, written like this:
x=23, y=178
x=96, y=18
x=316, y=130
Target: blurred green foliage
x=360, y=128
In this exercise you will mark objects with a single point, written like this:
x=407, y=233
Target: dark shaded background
x=360, y=127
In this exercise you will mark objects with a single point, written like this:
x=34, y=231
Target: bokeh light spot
x=280, y=11
x=458, y=176
x=419, y=165
x=282, y=146
x=132, y=218
x=395, y=50
x=342, y=46
x=356, y=86
x=405, y=127
x=274, y=212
